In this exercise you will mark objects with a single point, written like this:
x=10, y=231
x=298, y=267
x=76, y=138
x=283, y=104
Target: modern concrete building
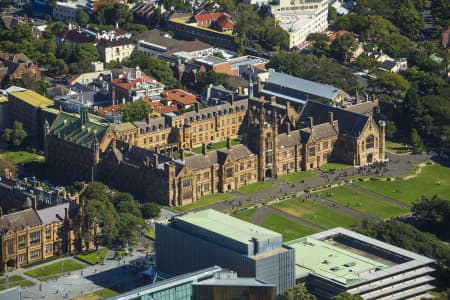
x=198, y=284
x=338, y=260
x=201, y=239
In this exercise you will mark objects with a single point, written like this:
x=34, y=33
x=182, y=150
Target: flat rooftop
x=347, y=258
x=228, y=226
x=334, y=263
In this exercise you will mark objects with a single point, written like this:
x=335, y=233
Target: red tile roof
x=128, y=85
x=225, y=22
x=108, y=109
x=180, y=96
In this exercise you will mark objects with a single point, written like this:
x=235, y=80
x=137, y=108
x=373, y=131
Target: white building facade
x=301, y=18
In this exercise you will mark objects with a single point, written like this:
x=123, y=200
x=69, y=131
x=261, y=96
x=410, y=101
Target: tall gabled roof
x=19, y=220
x=350, y=123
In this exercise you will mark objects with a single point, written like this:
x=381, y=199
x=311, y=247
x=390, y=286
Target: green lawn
x=120, y=253
x=15, y=280
x=208, y=200
x=21, y=157
x=245, y=215
x=397, y=147
x=289, y=229
x=315, y=213
x=297, y=176
x=106, y=293
x=336, y=166
x=256, y=187
x=433, y=180
x=55, y=269
x=93, y=258
x=363, y=202
x=150, y=233
x=217, y=146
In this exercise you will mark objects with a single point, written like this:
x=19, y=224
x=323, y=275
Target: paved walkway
x=91, y=278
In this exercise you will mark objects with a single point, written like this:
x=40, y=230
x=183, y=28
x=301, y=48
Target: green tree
x=409, y=20
x=343, y=47
x=416, y=140
x=391, y=83
x=435, y=213
x=82, y=17
x=150, y=210
x=332, y=15
x=135, y=111
x=154, y=67
x=366, y=62
x=16, y=135
x=87, y=52
x=346, y=296
x=299, y=292
x=391, y=130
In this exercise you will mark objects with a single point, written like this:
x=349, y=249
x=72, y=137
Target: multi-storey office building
x=193, y=241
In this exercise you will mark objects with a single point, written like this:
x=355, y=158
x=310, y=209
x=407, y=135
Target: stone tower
x=381, y=143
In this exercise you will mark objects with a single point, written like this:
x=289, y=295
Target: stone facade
x=148, y=158
x=32, y=235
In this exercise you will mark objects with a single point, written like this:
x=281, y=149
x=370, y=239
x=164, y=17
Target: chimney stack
x=311, y=122
x=330, y=114
x=66, y=214
x=197, y=107
x=228, y=142
x=155, y=159
x=204, y=148
x=231, y=99
x=182, y=154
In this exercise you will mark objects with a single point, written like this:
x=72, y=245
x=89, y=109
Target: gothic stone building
x=32, y=235
x=276, y=140
x=178, y=182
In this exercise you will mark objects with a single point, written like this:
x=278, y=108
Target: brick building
x=16, y=66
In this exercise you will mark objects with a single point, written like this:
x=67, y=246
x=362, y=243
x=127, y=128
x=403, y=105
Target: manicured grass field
x=208, y=200
x=21, y=157
x=245, y=215
x=15, y=280
x=363, y=202
x=336, y=166
x=289, y=229
x=98, y=295
x=433, y=180
x=397, y=147
x=93, y=258
x=297, y=176
x=256, y=187
x=55, y=269
x=315, y=213
x=217, y=146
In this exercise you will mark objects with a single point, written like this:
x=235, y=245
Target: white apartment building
x=301, y=18
x=67, y=11
x=115, y=49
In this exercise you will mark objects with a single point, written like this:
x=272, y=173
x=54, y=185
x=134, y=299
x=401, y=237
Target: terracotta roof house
x=220, y=21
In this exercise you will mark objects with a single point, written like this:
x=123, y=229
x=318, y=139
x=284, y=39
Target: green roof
x=322, y=259
x=68, y=127
x=228, y=226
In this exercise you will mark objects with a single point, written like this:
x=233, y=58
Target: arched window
x=370, y=142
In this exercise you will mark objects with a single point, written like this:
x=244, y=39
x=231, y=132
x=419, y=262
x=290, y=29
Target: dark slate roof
x=137, y=156
x=158, y=37
x=388, y=65
x=237, y=152
x=57, y=213
x=288, y=140
x=321, y=131
x=350, y=123
x=306, y=86
x=68, y=127
x=19, y=220
x=196, y=162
